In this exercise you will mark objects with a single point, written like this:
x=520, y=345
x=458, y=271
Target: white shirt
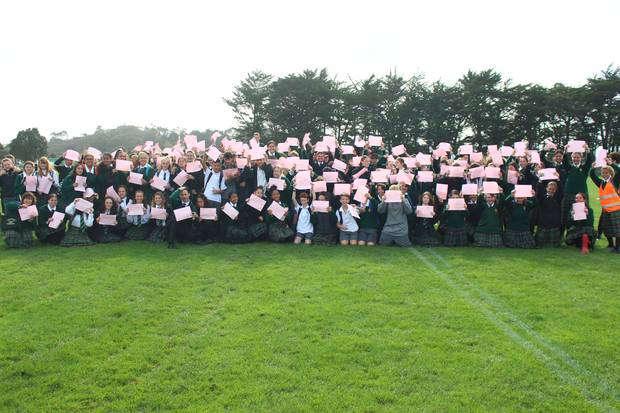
x=348, y=220
x=304, y=225
x=164, y=174
x=261, y=179
x=139, y=219
x=78, y=216
x=214, y=183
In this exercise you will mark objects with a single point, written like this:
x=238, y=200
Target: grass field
x=284, y=328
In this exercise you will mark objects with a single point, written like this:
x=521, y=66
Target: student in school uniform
x=180, y=230
x=105, y=234
x=396, y=229
x=18, y=233
x=271, y=152
x=233, y=230
x=90, y=170
x=580, y=233
x=488, y=231
x=147, y=172
x=159, y=230
x=424, y=232
x=278, y=230
x=205, y=231
x=67, y=188
x=213, y=184
x=63, y=167
x=549, y=216
x=454, y=224
x=323, y=223
x=346, y=222
x=255, y=175
x=20, y=180
x=79, y=222
x=44, y=233
x=122, y=225
x=518, y=212
x=256, y=224
x=577, y=171
x=105, y=175
x=139, y=224
x=8, y=175
x=302, y=220
x=608, y=186
x=120, y=177
x=164, y=172
x=45, y=171
x=180, y=166
x=369, y=221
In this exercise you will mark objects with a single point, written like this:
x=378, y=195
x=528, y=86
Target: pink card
x=230, y=210
x=476, y=157
x=200, y=146
x=257, y=153
x=444, y=169
x=242, y=163
x=425, y=176
x=405, y=177
x=422, y=159
x=96, y=153
x=320, y=206
x=548, y=174
x=190, y=141
x=379, y=176
x=513, y=177
x=31, y=183
x=107, y=219
x=112, y=194
x=292, y=141
x=456, y=204
x=579, y=211
x=210, y=214
x=184, y=213
x=159, y=213
x=410, y=162
x=425, y=211
x=302, y=165
x=438, y=153
x=492, y=172
x=319, y=186
x=256, y=202
x=444, y=146
x=359, y=183
x=122, y=166
x=359, y=142
x=306, y=139
x=213, y=153
x=535, y=157
x=441, y=190
x=356, y=161
x=81, y=183
x=347, y=150
x=330, y=141
x=135, y=178
x=549, y=145
x=456, y=172
x=215, y=135
x=354, y=211
x=490, y=187
x=393, y=196
x=469, y=189
x=181, y=178
x=302, y=180
x=193, y=167
x=375, y=140
x=360, y=173
x=44, y=185
x=340, y=189
x=393, y=179
x=230, y=173
x=57, y=218
x=576, y=146
x=83, y=205
x=497, y=159
x=158, y=183
x=523, y=191
x=27, y=213
x=339, y=165
x=466, y=149
x=72, y=155
x=398, y=150
x=330, y=177
x=506, y=150
x=278, y=210
x=491, y=149
x=135, y=209
x=283, y=147
x=360, y=195
x=277, y=182
x=477, y=172
x=321, y=147
x=520, y=148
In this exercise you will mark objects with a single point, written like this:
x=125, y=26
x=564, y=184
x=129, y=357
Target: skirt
x=76, y=238
x=16, y=238
x=235, y=235
x=324, y=239
x=519, y=239
x=611, y=223
x=138, y=233
x=158, y=235
x=280, y=232
x=426, y=236
x=256, y=231
x=489, y=240
x=548, y=237
x=455, y=237
x=573, y=234
x=106, y=237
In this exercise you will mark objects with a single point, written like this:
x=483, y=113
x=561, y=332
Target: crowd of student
x=322, y=193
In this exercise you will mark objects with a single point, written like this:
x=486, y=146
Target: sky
x=76, y=65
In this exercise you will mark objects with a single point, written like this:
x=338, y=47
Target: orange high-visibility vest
x=610, y=200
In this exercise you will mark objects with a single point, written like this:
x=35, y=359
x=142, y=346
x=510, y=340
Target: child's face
x=89, y=160
x=184, y=195
x=605, y=173
x=304, y=200
x=53, y=201
x=344, y=200
x=28, y=168
x=7, y=165
x=579, y=198
x=122, y=156
x=259, y=192
x=165, y=163
x=275, y=195
x=576, y=157
x=27, y=201
x=322, y=197
x=217, y=167
x=182, y=162
x=522, y=162
x=143, y=159
x=234, y=198
x=122, y=192
x=139, y=197
x=426, y=199
x=489, y=198
x=365, y=162
x=557, y=157
x=380, y=190
x=107, y=160
x=157, y=199
x=200, y=202
x=271, y=147
x=108, y=203
x=551, y=188
x=520, y=201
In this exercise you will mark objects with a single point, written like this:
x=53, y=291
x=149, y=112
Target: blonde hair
x=394, y=187
x=609, y=169
x=50, y=166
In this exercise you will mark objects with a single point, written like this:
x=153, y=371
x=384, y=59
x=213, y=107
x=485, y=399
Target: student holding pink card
x=454, y=224
x=369, y=222
x=302, y=220
x=205, y=230
x=517, y=213
x=396, y=228
x=347, y=222
x=180, y=230
x=79, y=222
x=489, y=227
x=424, y=232
x=549, y=216
x=44, y=232
x=67, y=189
x=105, y=221
x=580, y=232
x=233, y=221
x=139, y=224
x=26, y=180
x=18, y=233
x=47, y=180
x=278, y=229
x=255, y=216
x=323, y=221
x=159, y=216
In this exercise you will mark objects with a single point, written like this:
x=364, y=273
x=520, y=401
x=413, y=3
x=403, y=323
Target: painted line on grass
x=597, y=398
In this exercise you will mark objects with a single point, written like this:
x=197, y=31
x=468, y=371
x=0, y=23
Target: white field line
x=593, y=392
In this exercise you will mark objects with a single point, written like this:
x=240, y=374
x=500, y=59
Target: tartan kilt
x=611, y=223
x=519, y=239
x=280, y=232
x=158, y=235
x=548, y=237
x=235, y=235
x=76, y=238
x=15, y=238
x=43, y=232
x=455, y=237
x=121, y=224
x=573, y=234
x=108, y=237
x=426, y=236
x=489, y=240
x=324, y=239
x=138, y=233
x=256, y=231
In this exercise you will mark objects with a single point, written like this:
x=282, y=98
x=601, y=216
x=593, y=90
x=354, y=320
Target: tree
x=28, y=145
x=249, y=102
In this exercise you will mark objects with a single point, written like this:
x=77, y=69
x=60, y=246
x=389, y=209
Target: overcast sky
x=73, y=65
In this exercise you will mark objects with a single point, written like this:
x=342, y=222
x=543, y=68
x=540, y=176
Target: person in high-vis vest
x=608, y=186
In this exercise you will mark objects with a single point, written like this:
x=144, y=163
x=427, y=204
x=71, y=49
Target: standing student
x=64, y=167
x=20, y=180
x=256, y=226
x=395, y=230
x=454, y=224
x=488, y=231
x=164, y=172
x=147, y=172
x=518, y=213
x=369, y=221
x=278, y=230
x=105, y=233
x=577, y=171
x=105, y=175
x=302, y=220
x=79, y=222
x=8, y=175
x=139, y=224
x=44, y=233
x=213, y=184
x=67, y=188
x=608, y=186
x=549, y=216
x=580, y=233
x=324, y=224
x=424, y=229
x=90, y=170
x=346, y=222
x=180, y=230
x=18, y=233
x=45, y=171
x=159, y=231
